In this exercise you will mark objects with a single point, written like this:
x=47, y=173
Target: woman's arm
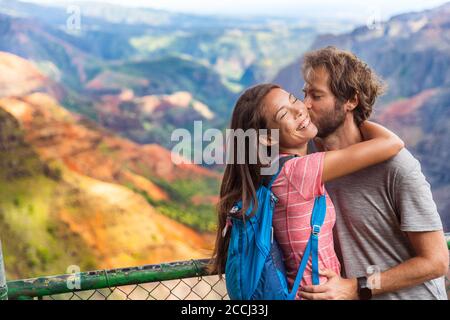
x=381, y=146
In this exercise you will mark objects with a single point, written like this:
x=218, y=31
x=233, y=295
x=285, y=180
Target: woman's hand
x=336, y=288
x=381, y=145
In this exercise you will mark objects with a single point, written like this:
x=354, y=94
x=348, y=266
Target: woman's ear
x=264, y=140
x=267, y=140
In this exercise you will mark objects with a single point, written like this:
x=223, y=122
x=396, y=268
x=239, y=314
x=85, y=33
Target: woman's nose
x=299, y=112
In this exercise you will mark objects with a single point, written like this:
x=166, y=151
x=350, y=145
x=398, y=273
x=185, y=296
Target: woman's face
x=285, y=112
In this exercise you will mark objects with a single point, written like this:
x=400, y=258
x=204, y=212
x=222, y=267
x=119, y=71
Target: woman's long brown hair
x=240, y=181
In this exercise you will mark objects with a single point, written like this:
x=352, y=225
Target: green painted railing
x=178, y=280
x=3, y=288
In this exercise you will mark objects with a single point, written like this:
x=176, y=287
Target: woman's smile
x=304, y=124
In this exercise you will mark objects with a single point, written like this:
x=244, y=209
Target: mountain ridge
x=75, y=193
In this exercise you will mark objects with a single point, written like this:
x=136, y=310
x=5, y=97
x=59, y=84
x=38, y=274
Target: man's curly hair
x=348, y=75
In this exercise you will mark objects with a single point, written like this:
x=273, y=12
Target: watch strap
x=364, y=292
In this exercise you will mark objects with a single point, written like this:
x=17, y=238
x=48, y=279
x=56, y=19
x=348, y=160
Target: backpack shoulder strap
x=312, y=248
x=268, y=180
x=317, y=219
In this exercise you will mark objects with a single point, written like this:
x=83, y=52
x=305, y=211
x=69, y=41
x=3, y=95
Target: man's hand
x=336, y=288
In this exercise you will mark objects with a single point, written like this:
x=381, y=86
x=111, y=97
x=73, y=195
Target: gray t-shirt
x=374, y=209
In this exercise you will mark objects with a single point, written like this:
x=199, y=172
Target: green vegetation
x=202, y=216
x=105, y=149
x=33, y=243
x=172, y=74
x=232, y=51
x=152, y=43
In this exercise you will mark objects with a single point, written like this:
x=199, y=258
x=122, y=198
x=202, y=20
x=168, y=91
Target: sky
x=353, y=9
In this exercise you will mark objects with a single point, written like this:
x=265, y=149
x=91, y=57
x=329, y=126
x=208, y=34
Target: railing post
x=3, y=286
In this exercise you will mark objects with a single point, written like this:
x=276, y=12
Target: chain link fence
x=184, y=280
x=203, y=288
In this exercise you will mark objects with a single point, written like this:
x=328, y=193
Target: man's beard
x=328, y=123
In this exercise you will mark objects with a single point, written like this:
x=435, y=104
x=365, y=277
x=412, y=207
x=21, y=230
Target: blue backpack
x=255, y=269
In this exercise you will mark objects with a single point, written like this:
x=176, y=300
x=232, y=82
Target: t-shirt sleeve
x=414, y=201
x=305, y=174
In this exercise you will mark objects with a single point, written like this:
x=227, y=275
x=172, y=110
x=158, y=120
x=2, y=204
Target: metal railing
x=3, y=288
x=184, y=280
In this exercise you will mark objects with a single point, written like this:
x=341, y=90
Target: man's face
x=325, y=110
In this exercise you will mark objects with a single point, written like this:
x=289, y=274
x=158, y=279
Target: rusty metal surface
x=101, y=279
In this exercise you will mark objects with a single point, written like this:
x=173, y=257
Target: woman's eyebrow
x=279, y=109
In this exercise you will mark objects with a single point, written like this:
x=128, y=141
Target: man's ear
x=352, y=103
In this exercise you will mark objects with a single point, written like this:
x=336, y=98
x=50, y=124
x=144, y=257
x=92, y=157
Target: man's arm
x=431, y=261
x=421, y=222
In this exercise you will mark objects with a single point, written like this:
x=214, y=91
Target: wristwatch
x=364, y=291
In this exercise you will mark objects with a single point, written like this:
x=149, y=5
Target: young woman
x=301, y=179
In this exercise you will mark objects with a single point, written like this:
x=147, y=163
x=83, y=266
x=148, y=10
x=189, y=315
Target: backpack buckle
x=271, y=236
x=315, y=230
x=235, y=209
x=273, y=198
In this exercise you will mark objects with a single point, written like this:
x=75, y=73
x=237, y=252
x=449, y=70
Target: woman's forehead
x=277, y=96
x=276, y=99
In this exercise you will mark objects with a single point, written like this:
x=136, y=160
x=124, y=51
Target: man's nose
x=308, y=103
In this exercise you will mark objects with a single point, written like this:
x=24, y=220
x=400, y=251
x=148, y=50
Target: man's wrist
x=354, y=288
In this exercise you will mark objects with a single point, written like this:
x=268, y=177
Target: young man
x=388, y=233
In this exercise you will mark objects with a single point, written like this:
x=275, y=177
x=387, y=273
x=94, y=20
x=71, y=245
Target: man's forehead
x=315, y=86
x=316, y=79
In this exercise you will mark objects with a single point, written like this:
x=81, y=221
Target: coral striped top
x=296, y=187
